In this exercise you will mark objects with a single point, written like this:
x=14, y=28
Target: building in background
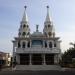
x=5, y=59
x=39, y=50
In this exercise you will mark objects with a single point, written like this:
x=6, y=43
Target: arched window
x=54, y=44
x=19, y=45
x=24, y=26
x=23, y=33
x=28, y=45
x=45, y=44
x=48, y=25
x=23, y=45
x=50, y=44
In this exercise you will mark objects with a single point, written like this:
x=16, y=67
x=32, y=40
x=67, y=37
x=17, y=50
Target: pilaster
x=44, y=62
x=17, y=58
x=47, y=44
x=14, y=51
x=43, y=44
x=30, y=43
x=26, y=43
x=30, y=62
x=56, y=59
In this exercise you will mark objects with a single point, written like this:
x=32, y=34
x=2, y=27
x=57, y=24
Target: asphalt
x=37, y=72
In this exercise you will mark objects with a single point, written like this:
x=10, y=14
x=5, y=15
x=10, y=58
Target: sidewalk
x=68, y=69
x=12, y=69
x=7, y=69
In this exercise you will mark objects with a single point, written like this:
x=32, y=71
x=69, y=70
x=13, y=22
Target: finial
x=47, y=16
x=25, y=7
x=47, y=6
x=37, y=28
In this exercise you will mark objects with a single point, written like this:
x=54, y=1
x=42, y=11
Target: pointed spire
x=25, y=17
x=47, y=16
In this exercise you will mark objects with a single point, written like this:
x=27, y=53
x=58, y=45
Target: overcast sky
x=62, y=13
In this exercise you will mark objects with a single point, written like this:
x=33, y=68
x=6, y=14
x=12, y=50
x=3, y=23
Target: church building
x=37, y=50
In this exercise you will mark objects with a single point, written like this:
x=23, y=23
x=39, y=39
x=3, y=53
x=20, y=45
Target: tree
x=68, y=56
x=73, y=44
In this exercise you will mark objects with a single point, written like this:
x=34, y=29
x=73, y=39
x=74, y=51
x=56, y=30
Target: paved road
x=37, y=72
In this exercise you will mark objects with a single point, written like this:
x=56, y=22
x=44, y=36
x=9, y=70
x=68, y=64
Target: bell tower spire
x=25, y=17
x=24, y=30
x=47, y=16
x=48, y=25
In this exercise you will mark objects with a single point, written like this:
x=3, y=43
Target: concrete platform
x=37, y=67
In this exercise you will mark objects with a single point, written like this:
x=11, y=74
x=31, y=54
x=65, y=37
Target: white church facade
x=39, y=50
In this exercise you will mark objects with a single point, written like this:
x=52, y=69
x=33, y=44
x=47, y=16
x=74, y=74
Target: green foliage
x=67, y=57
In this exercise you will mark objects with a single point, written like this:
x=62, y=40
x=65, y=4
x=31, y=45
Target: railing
x=37, y=50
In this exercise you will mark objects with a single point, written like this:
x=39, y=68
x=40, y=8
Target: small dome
x=37, y=34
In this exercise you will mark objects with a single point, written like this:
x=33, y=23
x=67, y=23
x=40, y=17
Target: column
x=30, y=62
x=55, y=59
x=44, y=63
x=21, y=44
x=13, y=51
x=43, y=44
x=26, y=43
x=47, y=44
x=53, y=44
x=30, y=43
x=17, y=58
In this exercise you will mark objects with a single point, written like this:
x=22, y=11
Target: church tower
x=48, y=26
x=24, y=30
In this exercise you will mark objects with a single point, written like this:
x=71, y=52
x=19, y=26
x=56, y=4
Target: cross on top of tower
x=25, y=17
x=47, y=6
x=25, y=7
x=48, y=19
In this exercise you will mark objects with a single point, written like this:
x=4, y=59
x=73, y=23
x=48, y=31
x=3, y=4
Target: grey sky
x=62, y=13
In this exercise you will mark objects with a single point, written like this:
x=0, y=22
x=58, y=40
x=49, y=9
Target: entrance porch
x=36, y=59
